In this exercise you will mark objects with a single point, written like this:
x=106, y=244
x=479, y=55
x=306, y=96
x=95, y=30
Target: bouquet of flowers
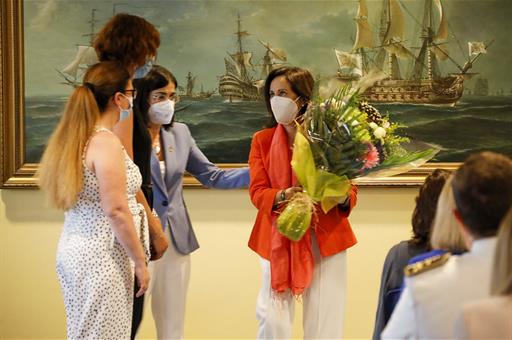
x=342, y=138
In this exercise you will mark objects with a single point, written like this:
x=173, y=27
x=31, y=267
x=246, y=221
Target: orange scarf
x=291, y=263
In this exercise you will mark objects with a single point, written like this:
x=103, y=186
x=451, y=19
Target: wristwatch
x=282, y=197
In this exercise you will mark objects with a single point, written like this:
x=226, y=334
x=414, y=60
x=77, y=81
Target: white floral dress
x=95, y=272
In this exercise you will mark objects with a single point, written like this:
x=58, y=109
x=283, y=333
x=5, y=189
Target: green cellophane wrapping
x=319, y=186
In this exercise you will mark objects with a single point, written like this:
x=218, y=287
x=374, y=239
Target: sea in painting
x=223, y=131
x=221, y=51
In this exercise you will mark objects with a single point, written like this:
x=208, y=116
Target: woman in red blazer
x=315, y=266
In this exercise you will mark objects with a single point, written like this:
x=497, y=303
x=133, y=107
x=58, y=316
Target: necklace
x=157, y=148
x=155, y=141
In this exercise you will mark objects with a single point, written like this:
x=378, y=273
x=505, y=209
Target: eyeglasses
x=133, y=92
x=160, y=97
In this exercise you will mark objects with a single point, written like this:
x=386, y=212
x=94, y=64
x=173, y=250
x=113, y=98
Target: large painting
x=445, y=77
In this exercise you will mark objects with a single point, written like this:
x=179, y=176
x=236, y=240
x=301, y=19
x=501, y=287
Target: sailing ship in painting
x=189, y=90
x=424, y=83
x=85, y=56
x=241, y=82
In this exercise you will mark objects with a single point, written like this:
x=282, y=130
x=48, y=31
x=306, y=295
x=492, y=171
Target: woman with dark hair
x=174, y=152
x=315, y=266
x=400, y=254
x=133, y=42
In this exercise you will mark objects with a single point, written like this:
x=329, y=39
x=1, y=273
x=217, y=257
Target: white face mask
x=285, y=109
x=143, y=71
x=125, y=113
x=161, y=113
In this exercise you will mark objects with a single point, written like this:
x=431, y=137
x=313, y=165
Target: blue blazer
x=182, y=154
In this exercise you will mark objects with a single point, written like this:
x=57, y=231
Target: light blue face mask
x=142, y=71
x=125, y=113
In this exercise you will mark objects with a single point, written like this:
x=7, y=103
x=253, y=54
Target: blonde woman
x=392, y=277
x=446, y=233
x=87, y=173
x=446, y=236
x=492, y=318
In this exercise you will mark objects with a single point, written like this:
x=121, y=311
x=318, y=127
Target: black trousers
x=138, y=306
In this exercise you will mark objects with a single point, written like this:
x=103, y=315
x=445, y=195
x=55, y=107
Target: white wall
x=225, y=272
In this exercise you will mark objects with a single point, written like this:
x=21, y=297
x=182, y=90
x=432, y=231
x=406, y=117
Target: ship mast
x=190, y=84
x=241, y=54
x=364, y=35
x=85, y=56
x=93, y=20
x=391, y=37
x=384, y=23
x=269, y=59
x=426, y=47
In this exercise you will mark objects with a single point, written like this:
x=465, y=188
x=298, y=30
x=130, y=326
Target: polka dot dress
x=95, y=272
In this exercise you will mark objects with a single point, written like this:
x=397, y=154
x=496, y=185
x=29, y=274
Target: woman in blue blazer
x=174, y=152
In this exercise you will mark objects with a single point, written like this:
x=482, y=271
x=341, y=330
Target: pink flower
x=371, y=159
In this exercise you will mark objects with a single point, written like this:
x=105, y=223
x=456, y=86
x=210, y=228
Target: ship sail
x=242, y=58
x=424, y=83
x=399, y=50
x=395, y=33
x=85, y=56
x=364, y=34
x=396, y=25
x=247, y=59
x=440, y=51
x=442, y=31
x=238, y=82
x=279, y=54
x=232, y=68
x=351, y=63
x=274, y=57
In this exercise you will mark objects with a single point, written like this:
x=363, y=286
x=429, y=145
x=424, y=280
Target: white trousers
x=323, y=302
x=169, y=285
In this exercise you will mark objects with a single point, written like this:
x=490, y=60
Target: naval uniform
x=437, y=288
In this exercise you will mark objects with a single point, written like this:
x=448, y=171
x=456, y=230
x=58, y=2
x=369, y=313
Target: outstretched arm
x=211, y=175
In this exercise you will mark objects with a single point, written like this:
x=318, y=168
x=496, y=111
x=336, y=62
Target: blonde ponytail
x=61, y=168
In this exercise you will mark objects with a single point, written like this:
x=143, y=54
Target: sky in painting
x=197, y=35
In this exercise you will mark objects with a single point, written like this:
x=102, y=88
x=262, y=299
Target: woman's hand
x=289, y=192
x=159, y=244
x=157, y=237
x=286, y=194
x=142, y=276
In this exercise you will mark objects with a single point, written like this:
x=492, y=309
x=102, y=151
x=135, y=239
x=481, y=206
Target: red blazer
x=332, y=230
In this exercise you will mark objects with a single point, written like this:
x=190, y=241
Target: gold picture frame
x=16, y=172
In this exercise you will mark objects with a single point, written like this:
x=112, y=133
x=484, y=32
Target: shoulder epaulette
x=427, y=264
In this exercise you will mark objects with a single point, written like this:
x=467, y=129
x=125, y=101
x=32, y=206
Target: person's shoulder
x=176, y=129
x=425, y=256
x=264, y=134
x=104, y=147
x=177, y=126
x=104, y=139
x=397, y=248
x=431, y=265
x=490, y=303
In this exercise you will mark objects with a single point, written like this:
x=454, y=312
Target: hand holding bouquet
x=342, y=138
